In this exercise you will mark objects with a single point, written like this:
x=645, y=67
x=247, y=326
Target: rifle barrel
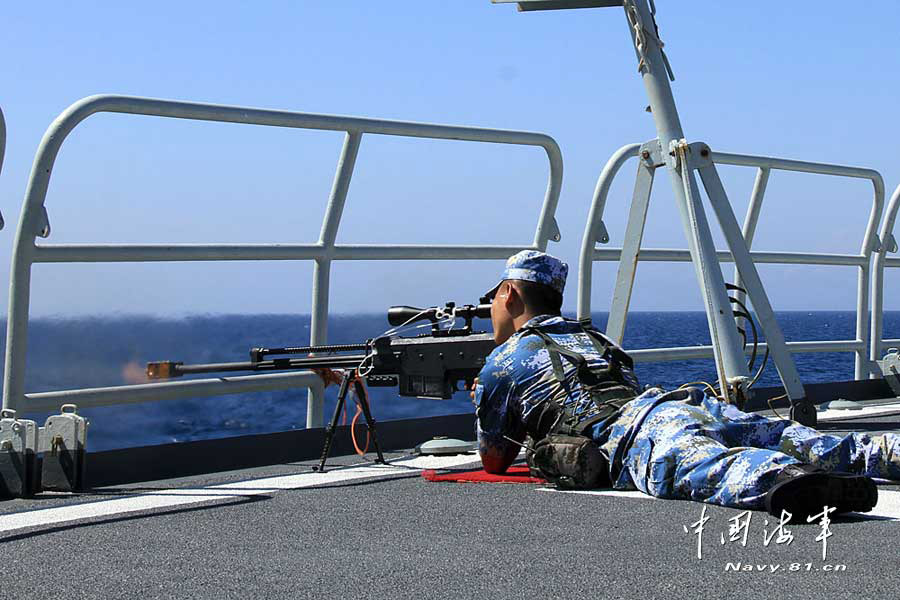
x=278, y=364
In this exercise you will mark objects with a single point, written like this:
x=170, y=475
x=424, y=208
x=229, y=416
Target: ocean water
x=101, y=351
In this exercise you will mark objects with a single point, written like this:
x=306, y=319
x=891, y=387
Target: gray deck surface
x=404, y=537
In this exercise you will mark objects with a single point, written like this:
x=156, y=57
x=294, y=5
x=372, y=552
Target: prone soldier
x=574, y=393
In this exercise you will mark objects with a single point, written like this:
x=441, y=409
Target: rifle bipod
x=362, y=401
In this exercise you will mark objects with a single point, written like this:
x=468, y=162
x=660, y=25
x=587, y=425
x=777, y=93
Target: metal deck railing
x=889, y=244
x=595, y=231
x=2, y=150
x=34, y=222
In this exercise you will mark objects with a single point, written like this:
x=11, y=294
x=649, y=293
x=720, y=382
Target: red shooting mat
x=512, y=475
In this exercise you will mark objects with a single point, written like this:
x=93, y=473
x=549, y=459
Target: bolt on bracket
x=44, y=224
x=599, y=232
x=555, y=234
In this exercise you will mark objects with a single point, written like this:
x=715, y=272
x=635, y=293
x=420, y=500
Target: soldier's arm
x=495, y=422
x=496, y=460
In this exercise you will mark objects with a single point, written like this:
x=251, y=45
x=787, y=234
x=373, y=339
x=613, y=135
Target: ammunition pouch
x=566, y=454
x=570, y=462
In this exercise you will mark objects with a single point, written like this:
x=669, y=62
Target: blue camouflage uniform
x=518, y=376
x=682, y=444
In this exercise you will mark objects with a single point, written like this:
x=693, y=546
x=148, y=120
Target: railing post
x=801, y=409
x=32, y=222
x=17, y=332
x=594, y=220
x=888, y=244
x=751, y=220
x=2, y=138
x=731, y=364
x=2, y=149
x=861, y=368
x=318, y=328
x=651, y=158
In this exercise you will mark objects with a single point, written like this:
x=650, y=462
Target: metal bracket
x=599, y=233
x=651, y=154
x=890, y=243
x=555, y=235
x=739, y=390
x=699, y=155
x=44, y=224
x=804, y=412
x=875, y=244
x=671, y=157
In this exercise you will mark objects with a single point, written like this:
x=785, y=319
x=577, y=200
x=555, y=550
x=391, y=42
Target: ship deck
x=377, y=531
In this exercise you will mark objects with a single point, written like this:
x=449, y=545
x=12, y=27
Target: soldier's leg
x=861, y=453
x=681, y=451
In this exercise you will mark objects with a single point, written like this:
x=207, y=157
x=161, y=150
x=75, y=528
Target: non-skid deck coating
x=410, y=538
x=366, y=531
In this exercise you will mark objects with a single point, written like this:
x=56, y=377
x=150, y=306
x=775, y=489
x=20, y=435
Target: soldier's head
x=532, y=284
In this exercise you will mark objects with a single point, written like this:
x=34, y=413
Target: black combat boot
x=805, y=490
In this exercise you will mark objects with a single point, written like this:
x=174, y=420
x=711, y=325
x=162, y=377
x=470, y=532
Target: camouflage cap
x=539, y=267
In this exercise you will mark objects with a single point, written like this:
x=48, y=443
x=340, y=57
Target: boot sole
x=808, y=495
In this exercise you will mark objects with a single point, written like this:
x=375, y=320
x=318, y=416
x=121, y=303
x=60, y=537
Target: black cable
x=761, y=367
x=744, y=313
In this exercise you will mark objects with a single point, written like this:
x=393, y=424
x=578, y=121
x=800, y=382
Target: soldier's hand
x=472, y=389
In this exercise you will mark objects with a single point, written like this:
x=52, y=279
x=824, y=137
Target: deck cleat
x=63, y=442
x=18, y=452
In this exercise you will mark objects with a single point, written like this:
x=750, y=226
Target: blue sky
x=811, y=81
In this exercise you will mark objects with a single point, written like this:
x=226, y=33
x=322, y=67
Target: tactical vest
x=606, y=386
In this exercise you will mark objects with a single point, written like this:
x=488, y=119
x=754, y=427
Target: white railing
x=2, y=150
x=34, y=222
x=595, y=231
x=889, y=244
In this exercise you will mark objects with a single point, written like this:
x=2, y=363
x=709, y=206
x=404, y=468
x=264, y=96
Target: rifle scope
x=404, y=315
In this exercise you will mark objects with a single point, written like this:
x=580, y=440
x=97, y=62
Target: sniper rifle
x=429, y=365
